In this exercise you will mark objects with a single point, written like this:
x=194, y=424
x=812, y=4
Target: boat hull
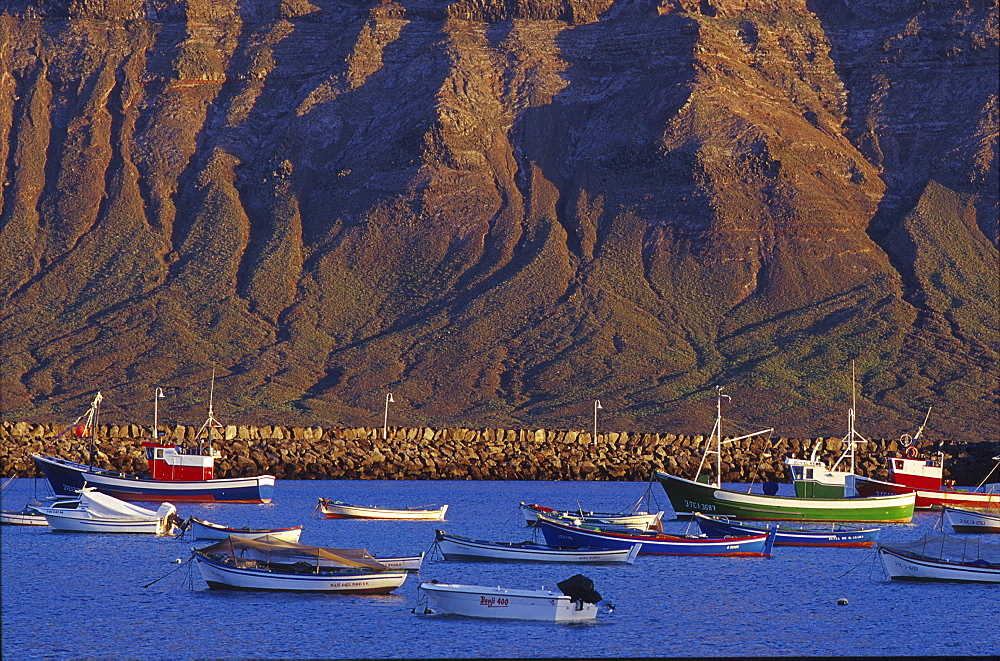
x=201, y=529
x=220, y=576
x=408, y=563
x=902, y=567
x=641, y=522
x=72, y=523
x=964, y=521
x=453, y=547
x=335, y=510
x=557, y=533
x=929, y=499
x=67, y=477
x=22, y=519
x=688, y=496
x=503, y=603
x=785, y=536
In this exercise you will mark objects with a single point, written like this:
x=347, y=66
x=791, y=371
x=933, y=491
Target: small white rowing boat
x=339, y=510
x=509, y=604
x=202, y=529
x=966, y=521
x=454, y=547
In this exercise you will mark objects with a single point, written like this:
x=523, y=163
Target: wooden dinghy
x=202, y=529
x=338, y=510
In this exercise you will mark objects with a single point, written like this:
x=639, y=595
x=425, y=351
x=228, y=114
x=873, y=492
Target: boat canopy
x=949, y=548
x=102, y=505
x=271, y=549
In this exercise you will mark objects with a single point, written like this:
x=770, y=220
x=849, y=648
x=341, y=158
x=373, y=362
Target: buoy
x=841, y=602
x=80, y=430
x=177, y=561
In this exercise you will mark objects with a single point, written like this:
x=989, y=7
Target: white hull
x=641, y=522
x=212, y=531
x=220, y=576
x=503, y=603
x=22, y=519
x=905, y=568
x=332, y=510
x=964, y=521
x=99, y=512
x=73, y=522
x=460, y=548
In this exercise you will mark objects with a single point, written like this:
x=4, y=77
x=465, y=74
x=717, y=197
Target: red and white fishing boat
x=176, y=474
x=924, y=477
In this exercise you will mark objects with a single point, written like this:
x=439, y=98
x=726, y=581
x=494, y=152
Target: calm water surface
x=82, y=595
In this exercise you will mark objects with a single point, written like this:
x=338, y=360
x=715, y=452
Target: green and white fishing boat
x=690, y=496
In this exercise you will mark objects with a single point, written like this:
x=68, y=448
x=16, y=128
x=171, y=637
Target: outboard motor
x=580, y=589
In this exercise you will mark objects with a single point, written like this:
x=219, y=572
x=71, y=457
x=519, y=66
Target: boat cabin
x=174, y=463
x=916, y=472
x=814, y=479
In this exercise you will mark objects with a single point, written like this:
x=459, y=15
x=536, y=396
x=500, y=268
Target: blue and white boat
x=785, y=535
x=559, y=533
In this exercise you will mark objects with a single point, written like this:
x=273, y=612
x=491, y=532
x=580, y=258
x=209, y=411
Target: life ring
x=912, y=452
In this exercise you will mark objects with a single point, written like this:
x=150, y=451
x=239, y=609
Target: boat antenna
x=922, y=425
x=211, y=423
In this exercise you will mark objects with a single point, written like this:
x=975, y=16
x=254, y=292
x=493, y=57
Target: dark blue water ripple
x=81, y=595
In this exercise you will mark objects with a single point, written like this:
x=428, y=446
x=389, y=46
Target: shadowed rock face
x=502, y=211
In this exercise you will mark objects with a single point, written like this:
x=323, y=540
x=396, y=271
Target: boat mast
x=717, y=433
x=91, y=424
x=211, y=423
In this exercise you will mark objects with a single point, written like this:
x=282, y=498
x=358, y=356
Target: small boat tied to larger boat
x=267, y=564
x=337, y=510
x=576, y=601
x=176, y=474
x=689, y=496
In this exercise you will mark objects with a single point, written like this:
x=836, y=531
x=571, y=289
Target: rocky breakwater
x=463, y=454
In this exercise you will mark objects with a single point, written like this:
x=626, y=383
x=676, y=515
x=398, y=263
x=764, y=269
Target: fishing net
x=949, y=548
x=269, y=550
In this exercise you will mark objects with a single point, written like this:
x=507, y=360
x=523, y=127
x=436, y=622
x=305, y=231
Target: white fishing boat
x=942, y=558
x=632, y=520
x=202, y=529
x=99, y=512
x=967, y=521
x=338, y=510
x=246, y=564
x=455, y=547
x=571, y=603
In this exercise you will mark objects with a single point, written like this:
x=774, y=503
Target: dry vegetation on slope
x=502, y=211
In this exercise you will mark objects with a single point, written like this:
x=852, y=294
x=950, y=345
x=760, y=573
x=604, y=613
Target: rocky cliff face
x=501, y=211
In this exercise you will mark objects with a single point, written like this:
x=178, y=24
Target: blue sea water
x=83, y=595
